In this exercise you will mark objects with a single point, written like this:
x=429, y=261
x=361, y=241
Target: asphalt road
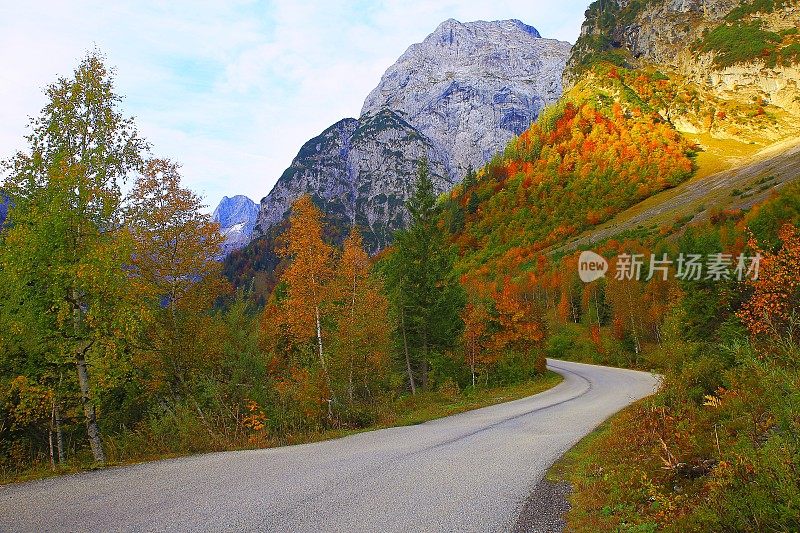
x=468, y=472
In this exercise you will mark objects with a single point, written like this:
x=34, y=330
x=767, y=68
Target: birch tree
x=175, y=266
x=306, y=276
x=65, y=249
x=362, y=328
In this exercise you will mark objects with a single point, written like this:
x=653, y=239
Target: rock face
x=456, y=99
x=471, y=87
x=670, y=34
x=659, y=32
x=237, y=218
x=3, y=209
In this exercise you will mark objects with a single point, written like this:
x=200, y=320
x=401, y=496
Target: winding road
x=467, y=472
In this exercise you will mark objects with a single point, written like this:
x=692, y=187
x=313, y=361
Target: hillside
x=661, y=102
x=750, y=181
x=726, y=68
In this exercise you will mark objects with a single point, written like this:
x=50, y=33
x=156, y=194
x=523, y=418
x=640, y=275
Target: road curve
x=467, y=472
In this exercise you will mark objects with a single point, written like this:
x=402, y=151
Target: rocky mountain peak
x=236, y=217
x=470, y=87
x=234, y=210
x=456, y=98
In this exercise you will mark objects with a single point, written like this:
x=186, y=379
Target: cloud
x=232, y=89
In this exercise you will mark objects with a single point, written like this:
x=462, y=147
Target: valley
x=371, y=346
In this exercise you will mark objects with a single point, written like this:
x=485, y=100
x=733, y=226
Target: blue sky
x=232, y=89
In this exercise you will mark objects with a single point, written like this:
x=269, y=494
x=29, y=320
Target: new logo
x=591, y=266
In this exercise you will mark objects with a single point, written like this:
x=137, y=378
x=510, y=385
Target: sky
x=231, y=89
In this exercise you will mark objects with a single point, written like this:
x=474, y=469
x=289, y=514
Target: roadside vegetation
x=717, y=448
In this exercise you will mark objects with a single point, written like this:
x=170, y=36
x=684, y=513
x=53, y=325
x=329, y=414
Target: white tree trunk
x=405, y=350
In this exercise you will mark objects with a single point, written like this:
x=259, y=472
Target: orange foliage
x=475, y=339
x=520, y=323
x=587, y=167
x=776, y=292
x=308, y=271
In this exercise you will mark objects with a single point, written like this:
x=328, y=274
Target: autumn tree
x=476, y=338
x=361, y=315
x=774, y=307
x=521, y=326
x=64, y=251
x=625, y=297
x=175, y=267
x=306, y=276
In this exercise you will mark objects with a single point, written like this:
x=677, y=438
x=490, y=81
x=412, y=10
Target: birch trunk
x=50, y=436
x=322, y=362
x=405, y=350
x=89, y=412
x=425, y=360
x=59, y=436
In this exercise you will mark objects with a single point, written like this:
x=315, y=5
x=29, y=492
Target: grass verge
x=601, y=482
x=406, y=411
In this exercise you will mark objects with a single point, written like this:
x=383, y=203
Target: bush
x=516, y=368
x=572, y=342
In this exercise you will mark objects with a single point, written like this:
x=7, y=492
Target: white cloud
x=232, y=89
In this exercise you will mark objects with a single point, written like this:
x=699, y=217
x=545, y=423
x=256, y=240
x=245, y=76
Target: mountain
x=456, y=98
x=358, y=171
x=723, y=73
x=728, y=69
x=236, y=217
x=471, y=87
x=673, y=111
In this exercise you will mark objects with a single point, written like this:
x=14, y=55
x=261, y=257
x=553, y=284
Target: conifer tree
x=427, y=298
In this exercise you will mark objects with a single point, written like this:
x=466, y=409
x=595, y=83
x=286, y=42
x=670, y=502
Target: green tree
x=427, y=298
x=63, y=253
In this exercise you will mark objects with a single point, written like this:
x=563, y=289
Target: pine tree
x=427, y=298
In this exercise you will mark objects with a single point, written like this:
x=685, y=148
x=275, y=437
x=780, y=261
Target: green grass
x=574, y=464
x=432, y=405
x=754, y=6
